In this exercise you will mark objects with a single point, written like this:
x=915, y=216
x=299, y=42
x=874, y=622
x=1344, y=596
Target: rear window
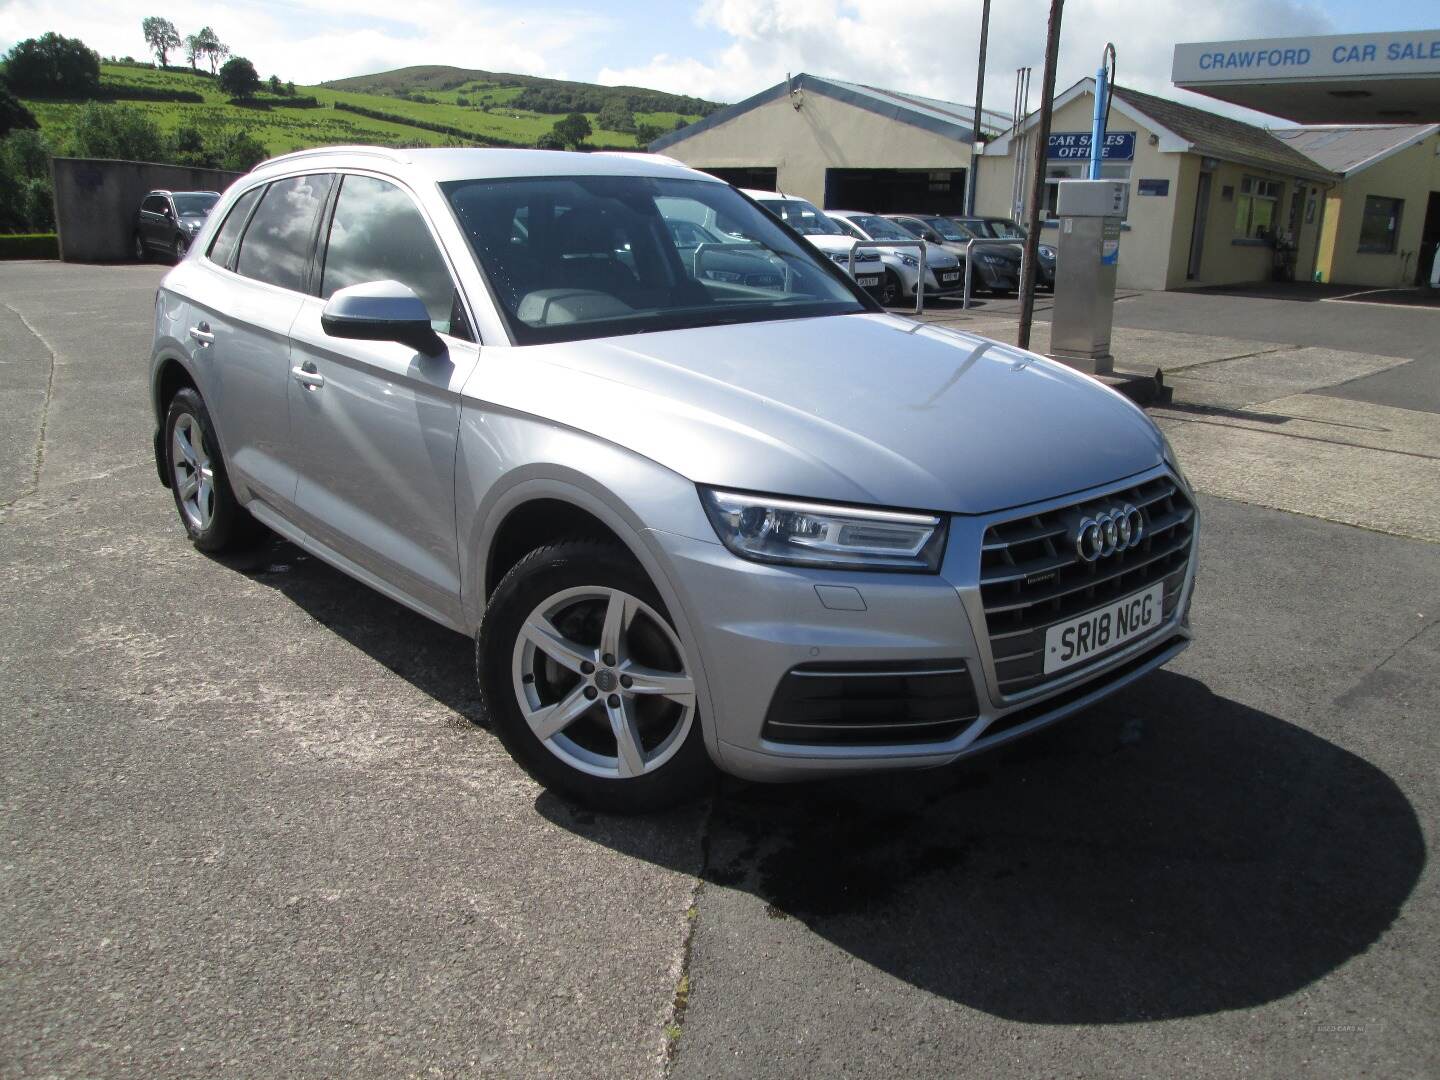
x=223, y=246
x=277, y=245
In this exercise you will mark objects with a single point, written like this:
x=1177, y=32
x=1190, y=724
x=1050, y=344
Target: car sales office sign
x=1075, y=146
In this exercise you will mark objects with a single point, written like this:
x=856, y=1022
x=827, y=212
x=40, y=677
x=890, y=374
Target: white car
x=944, y=272
x=824, y=235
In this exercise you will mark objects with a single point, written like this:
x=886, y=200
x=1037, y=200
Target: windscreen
x=187, y=204
x=950, y=230
x=878, y=228
x=802, y=217
x=596, y=256
x=1005, y=229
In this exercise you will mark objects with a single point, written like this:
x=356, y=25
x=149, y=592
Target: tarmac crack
x=680, y=1003
x=38, y=458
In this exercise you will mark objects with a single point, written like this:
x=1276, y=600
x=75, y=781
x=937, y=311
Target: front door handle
x=308, y=376
x=202, y=334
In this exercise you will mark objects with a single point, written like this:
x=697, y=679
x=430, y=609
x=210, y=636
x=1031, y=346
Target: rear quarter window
x=222, y=248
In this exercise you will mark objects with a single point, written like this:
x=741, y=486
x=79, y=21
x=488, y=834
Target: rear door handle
x=308, y=376
x=202, y=334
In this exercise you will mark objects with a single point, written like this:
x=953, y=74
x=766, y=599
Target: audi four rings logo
x=1117, y=529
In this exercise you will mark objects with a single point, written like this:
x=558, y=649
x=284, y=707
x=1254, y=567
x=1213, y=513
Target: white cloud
x=929, y=47
x=313, y=40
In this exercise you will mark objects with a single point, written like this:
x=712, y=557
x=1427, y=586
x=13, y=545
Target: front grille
x=1031, y=576
x=872, y=702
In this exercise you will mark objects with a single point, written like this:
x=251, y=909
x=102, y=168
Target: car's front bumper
x=756, y=622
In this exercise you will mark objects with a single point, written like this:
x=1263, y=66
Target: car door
x=153, y=221
x=243, y=301
x=376, y=421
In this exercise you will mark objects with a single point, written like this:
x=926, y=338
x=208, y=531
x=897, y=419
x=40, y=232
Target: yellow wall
x=1155, y=249
x=822, y=134
x=1410, y=175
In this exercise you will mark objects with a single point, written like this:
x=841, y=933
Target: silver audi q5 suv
x=692, y=520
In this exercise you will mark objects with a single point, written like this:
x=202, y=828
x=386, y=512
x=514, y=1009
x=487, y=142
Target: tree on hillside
x=115, y=131
x=161, y=36
x=241, y=151
x=616, y=115
x=26, y=201
x=239, y=78
x=549, y=141
x=14, y=116
x=645, y=134
x=572, y=130
x=53, y=66
x=275, y=85
x=187, y=147
x=205, y=45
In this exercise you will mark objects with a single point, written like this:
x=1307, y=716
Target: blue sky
x=722, y=49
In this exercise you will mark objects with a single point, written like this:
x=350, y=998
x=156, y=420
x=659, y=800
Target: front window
x=879, y=228
x=802, y=217
x=1380, y=224
x=952, y=231
x=1257, y=207
x=595, y=256
x=194, y=205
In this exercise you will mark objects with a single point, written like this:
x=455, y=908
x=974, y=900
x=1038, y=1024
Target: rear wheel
x=587, y=683
x=212, y=516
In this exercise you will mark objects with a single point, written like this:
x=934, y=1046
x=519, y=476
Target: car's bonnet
x=864, y=408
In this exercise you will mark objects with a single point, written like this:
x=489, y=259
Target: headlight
x=194, y=226
x=1172, y=460
x=769, y=529
x=909, y=260
x=1046, y=251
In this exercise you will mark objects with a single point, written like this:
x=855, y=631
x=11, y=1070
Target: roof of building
x=947, y=118
x=1350, y=149
x=1193, y=130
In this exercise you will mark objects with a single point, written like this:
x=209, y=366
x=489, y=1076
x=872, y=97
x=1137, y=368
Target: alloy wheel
x=602, y=682
x=193, y=473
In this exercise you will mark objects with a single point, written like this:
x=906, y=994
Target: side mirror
x=381, y=311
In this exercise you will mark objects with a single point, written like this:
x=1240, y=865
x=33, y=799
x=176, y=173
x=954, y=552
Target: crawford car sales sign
x=1416, y=52
x=1075, y=146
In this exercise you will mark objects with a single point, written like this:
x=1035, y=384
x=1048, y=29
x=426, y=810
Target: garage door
x=896, y=191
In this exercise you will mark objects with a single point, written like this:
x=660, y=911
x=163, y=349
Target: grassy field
x=282, y=129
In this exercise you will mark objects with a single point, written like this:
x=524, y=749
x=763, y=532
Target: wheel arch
x=554, y=502
x=169, y=378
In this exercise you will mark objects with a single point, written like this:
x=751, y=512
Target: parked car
x=690, y=523
x=995, y=271
x=944, y=272
x=994, y=228
x=822, y=233
x=167, y=221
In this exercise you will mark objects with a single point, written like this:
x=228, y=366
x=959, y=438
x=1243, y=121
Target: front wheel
x=890, y=289
x=587, y=683
x=180, y=246
x=138, y=248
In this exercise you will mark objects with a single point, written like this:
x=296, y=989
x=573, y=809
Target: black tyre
x=138, y=248
x=180, y=246
x=891, y=291
x=587, y=684
x=208, y=508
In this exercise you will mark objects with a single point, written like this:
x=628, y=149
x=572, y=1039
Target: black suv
x=168, y=220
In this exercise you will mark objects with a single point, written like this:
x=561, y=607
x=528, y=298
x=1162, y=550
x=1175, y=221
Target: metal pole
x=1097, y=123
x=1037, y=185
x=974, y=177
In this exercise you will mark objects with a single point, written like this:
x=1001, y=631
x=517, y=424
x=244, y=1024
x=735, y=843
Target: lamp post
x=1037, y=187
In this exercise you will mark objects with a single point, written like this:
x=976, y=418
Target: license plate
x=1077, y=640
x=953, y=275
x=868, y=282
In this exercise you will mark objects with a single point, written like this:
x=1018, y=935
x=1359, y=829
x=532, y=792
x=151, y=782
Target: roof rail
x=374, y=151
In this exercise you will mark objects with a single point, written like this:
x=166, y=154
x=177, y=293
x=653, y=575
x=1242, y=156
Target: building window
x=1257, y=207
x=1055, y=173
x=1380, y=225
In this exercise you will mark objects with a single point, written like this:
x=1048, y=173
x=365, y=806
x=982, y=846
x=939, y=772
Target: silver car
x=944, y=271
x=691, y=523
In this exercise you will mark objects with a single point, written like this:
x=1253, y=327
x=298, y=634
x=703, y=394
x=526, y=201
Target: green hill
x=432, y=106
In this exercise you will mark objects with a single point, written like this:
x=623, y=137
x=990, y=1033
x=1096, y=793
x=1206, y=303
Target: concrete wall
x=96, y=200
x=1410, y=175
x=800, y=144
